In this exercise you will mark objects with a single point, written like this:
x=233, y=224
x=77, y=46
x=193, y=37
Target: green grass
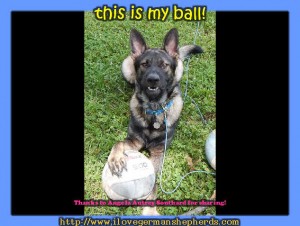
x=107, y=112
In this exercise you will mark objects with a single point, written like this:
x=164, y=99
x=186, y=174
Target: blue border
x=213, y=5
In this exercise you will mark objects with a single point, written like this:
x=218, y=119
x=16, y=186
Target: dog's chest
x=156, y=123
x=156, y=127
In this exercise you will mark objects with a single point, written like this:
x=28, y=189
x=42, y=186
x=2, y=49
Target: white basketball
x=135, y=183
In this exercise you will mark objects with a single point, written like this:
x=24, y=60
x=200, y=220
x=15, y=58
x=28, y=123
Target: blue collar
x=159, y=111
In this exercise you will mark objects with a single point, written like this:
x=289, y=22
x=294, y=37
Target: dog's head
x=156, y=71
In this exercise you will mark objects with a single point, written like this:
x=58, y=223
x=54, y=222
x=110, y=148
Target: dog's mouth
x=153, y=91
x=152, y=88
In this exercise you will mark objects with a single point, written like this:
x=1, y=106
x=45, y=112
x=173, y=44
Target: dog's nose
x=153, y=78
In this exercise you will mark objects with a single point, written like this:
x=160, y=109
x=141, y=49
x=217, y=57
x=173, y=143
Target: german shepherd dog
x=155, y=73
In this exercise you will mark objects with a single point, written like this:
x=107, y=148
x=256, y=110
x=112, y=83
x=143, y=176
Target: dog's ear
x=137, y=42
x=187, y=50
x=171, y=42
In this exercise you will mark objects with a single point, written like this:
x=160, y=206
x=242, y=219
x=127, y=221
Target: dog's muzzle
x=153, y=81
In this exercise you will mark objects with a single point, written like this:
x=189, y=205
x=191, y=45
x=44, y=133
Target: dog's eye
x=164, y=65
x=145, y=65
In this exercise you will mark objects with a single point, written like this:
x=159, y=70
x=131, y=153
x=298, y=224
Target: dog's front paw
x=117, y=163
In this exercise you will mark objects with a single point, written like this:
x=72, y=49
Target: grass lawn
x=107, y=98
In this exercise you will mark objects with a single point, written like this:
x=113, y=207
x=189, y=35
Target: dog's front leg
x=156, y=157
x=116, y=159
